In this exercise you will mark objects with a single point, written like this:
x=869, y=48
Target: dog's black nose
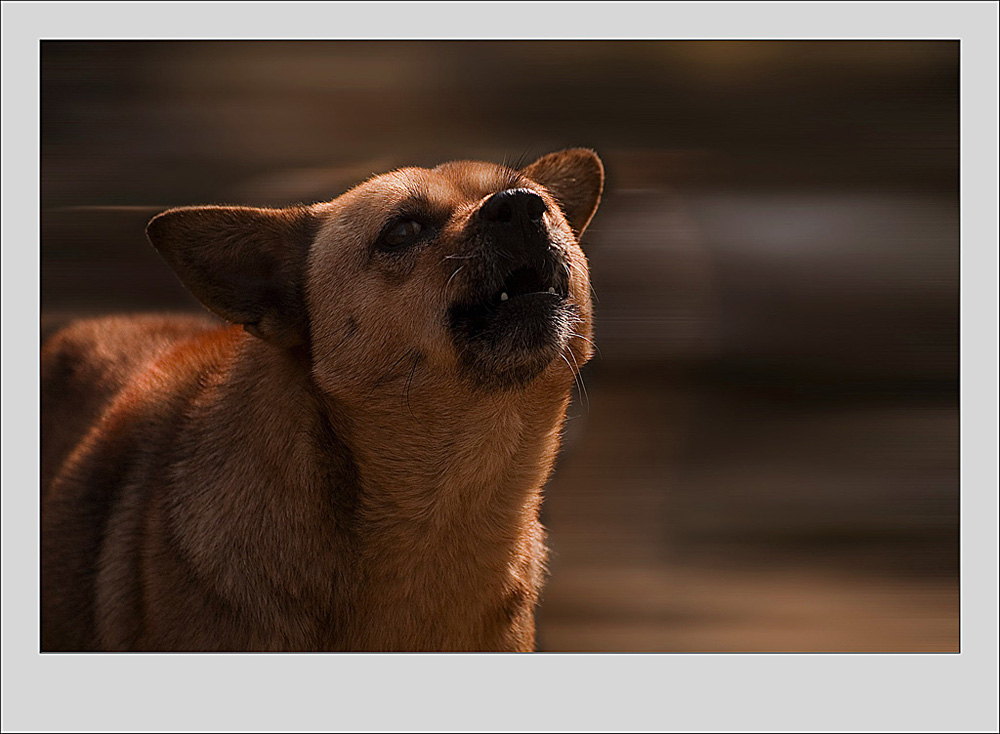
x=513, y=205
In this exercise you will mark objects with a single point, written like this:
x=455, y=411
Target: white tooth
x=552, y=290
x=503, y=296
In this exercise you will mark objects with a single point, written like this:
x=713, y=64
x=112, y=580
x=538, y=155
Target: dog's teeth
x=503, y=296
x=552, y=290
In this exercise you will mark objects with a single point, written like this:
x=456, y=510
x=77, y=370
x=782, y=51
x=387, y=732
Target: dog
x=355, y=461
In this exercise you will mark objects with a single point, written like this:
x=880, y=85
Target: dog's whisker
x=352, y=328
x=571, y=370
x=579, y=375
x=504, y=254
x=409, y=381
x=380, y=381
x=453, y=277
x=591, y=342
x=576, y=376
x=571, y=268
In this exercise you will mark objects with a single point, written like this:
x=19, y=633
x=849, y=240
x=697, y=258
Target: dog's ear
x=575, y=178
x=246, y=265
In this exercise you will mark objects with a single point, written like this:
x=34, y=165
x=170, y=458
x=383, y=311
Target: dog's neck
x=448, y=452
x=451, y=479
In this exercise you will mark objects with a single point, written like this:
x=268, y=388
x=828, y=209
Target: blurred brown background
x=767, y=455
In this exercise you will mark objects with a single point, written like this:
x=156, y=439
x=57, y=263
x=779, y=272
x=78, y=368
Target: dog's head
x=470, y=267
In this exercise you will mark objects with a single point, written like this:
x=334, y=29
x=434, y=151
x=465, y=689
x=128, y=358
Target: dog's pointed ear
x=246, y=265
x=575, y=178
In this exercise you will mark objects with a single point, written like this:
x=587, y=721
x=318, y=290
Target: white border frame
x=776, y=692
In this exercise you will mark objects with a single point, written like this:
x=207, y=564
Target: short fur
x=346, y=467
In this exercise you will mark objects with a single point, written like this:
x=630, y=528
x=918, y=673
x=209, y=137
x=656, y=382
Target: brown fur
x=330, y=476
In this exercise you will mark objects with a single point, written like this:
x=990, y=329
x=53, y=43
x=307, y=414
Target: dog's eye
x=402, y=232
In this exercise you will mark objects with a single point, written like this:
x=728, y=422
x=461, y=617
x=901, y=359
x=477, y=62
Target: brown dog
x=359, y=466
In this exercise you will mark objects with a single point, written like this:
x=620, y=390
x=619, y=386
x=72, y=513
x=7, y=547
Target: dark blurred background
x=767, y=455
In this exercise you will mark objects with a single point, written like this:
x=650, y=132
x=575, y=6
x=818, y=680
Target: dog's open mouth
x=508, y=329
x=529, y=292
x=528, y=281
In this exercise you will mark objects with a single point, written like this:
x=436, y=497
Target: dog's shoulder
x=85, y=365
x=105, y=353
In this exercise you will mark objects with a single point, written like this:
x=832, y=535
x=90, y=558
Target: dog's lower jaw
x=509, y=351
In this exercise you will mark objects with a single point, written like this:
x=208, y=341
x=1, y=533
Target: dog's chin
x=507, y=336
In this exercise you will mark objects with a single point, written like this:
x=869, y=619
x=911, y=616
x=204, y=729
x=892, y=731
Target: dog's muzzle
x=514, y=316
